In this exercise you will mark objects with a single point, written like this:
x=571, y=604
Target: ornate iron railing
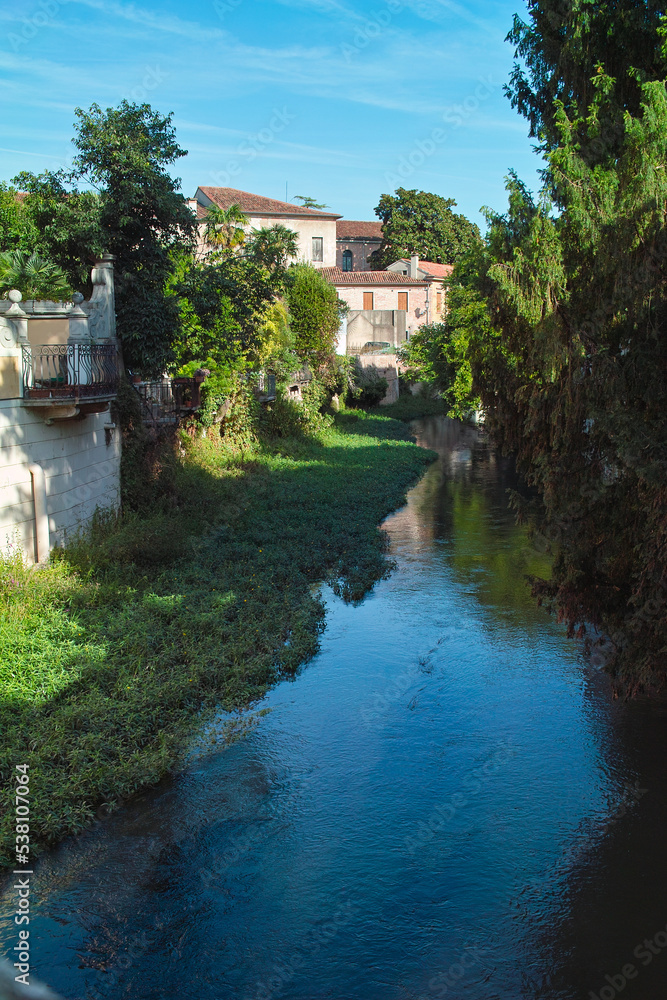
x=70, y=371
x=166, y=400
x=265, y=387
x=301, y=377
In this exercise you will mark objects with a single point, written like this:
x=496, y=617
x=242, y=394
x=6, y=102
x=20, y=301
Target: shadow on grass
x=139, y=632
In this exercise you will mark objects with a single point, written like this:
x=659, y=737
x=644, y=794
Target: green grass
x=113, y=656
x=409, y=407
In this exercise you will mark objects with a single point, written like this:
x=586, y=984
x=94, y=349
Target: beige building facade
x=316, y=230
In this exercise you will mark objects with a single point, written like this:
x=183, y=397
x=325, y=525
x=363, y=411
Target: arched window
x=347, y=260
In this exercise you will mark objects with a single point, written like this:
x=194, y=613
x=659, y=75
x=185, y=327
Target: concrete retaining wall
x=82, y=472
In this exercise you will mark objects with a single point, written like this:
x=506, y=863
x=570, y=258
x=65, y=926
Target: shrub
x=372, y=385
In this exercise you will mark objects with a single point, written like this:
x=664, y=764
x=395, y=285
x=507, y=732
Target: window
x=318, y=248
x=348, y=260
x=368, y=300
x=403, y=300
x=438, y=302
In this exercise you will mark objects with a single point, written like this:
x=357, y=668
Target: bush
x=372, y=386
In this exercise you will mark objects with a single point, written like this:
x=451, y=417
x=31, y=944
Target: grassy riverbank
x=112, y=656
x=410, y=407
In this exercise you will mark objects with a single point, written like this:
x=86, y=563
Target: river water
x=445, y=803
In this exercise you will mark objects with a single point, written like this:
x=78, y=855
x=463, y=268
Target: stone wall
x=374, y=326
x=387, y=365
x=361, y=253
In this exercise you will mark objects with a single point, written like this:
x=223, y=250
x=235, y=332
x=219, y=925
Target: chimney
x=192, y=205
x=414, y=265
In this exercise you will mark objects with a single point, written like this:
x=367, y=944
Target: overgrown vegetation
x=136, y=212
x=200, y=597
x=563, y=310
x=409, y=407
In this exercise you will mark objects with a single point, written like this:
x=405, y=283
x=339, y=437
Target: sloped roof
x=431, y=268
x=335, y=276
x=348, y=229
x=257, y=204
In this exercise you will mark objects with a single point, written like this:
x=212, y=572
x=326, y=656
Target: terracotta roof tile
x=348, y=229
x=335, y=276
x=258, y=204
x=436, y=270
x=431, y=268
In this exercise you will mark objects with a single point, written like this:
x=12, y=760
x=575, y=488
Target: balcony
x=168, y=400
x=65, y=380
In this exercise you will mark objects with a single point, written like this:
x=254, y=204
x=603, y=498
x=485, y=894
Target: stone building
x=355, y=242
x=59, y=447
x=389, y=305
x=316, y=230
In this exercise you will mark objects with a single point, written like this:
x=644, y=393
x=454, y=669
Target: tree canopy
x=416, y=222
x=135, y=211
x=565, y=312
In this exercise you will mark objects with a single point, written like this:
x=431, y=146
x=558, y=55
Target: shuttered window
x=438, y=302
x=403, y=300
x=318, y=248
x=368, y=300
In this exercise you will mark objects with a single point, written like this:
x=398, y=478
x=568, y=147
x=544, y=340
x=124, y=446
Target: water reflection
x=446, y=803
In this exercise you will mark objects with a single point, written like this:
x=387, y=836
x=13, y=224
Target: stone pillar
x=101, y=308
x=13, y=337
x=79, y=332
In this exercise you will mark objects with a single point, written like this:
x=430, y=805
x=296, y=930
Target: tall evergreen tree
x=568, y=324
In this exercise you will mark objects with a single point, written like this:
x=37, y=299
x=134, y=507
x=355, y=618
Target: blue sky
x=341, y=101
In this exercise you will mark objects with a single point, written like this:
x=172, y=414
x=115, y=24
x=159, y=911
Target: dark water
x=446, y=803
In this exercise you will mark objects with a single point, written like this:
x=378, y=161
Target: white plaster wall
x=82, y=473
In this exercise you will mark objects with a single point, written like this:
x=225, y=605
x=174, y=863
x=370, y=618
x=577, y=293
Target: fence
x=70, y=371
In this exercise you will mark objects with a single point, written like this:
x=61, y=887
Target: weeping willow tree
x=565, y=309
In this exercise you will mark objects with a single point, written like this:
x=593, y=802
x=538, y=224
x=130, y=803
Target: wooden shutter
x=438, y=304
x=403, y=300
x=368, y=300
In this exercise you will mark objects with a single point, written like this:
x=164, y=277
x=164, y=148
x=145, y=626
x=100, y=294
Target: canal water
x=446, y=802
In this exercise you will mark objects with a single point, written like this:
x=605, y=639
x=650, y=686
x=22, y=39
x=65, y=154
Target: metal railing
x=166, y=400
x=70, y=371
x=301, y=377
x=265, y=387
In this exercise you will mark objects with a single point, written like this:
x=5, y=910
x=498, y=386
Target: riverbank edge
x=130, y=641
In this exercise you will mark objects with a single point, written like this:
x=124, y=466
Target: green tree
x=17, y=229
x=64, y=224
x=416, y=222
x=565, y=47
x=439, y=356
x=569, y=352
x=125, y=152
x=274, y=247
x=224, y=226
x=135, y=211
x=308, y=202
x=315, y=311
x=33, y=276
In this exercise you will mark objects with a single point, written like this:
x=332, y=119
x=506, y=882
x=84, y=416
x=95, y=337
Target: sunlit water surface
x=446, y=803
